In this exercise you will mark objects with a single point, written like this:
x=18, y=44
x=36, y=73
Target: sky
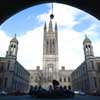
x=73, y=25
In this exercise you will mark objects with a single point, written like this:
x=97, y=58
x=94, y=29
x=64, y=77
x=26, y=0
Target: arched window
x=60, y=79
x=64, y=79
x=5, y=84
x=50, y=46
x=92, y=64
x=47, y=47
x=89, y=46
x=50, y=67
x=68, y=79
x=8, y=65
x=14, y=46
x=53, y=46
x=95, y=82
x=11, y=46
x=2, y=67
x=98, y=65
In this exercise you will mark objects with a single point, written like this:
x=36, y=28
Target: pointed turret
x=44, y=37
x=88, y=48
x=50, y=25
x=56, y=27
x=45, y=30
x=86, y=40
x=13, y=48
x=45, y=27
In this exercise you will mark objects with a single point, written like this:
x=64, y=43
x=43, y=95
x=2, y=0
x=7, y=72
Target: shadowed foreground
x=32, y=98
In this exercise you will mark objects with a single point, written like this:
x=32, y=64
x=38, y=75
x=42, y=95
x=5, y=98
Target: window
x=11, y=45
x=50, y=67
x=8, y=65
x=92, y=64
x=31, y=77
x=69, y=87
x=14, y=46
x=95, y=83
x=5, y=85
x=47, y=47
x=89, y=46
x=36, y=79
x=98, y=65
x=2, y=67
x=64, y=79
x=50, y=46
x=60, y=79
x=99, y=82
x=68, y=79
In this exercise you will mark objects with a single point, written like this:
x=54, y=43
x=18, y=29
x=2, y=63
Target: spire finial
x=15, y=35
x=52, y=16
x=85, y=35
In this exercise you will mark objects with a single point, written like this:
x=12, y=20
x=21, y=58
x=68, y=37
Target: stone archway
x=10, y=7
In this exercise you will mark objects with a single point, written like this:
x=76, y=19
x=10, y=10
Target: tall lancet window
x=87, y=53
x=89, y=48
x=50, y=46
x=53, y=46
x=47, y=47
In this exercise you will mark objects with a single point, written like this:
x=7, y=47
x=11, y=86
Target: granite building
x=13, y=76
x=86, y=77
x=50, y=70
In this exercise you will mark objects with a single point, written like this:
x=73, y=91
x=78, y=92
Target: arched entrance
x=11, y=7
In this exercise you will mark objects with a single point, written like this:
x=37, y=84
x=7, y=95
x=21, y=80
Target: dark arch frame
x=11, y=7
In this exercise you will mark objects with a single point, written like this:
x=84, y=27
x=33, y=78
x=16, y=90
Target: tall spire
x=45, y=26
x=50, y=25
x=56, y=26
x=51, y=17
x=15, y=35
x=86, y=40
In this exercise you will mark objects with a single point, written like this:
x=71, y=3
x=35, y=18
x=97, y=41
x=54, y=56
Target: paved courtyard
x=31, y=98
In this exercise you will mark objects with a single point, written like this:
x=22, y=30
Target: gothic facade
x=50, y=70
x=50, y=52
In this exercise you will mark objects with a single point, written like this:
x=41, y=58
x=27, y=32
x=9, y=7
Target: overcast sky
x=28, y=25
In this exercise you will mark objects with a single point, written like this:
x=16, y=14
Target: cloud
x=70, y=48
x=63, y=14
x=30, y=48
x=91, y=31
x=4, y=42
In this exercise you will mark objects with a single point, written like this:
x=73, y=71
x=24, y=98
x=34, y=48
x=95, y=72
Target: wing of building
x=13, y=76
x=87, y=75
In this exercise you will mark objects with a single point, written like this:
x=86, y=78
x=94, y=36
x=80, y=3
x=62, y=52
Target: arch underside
x=11, y=7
